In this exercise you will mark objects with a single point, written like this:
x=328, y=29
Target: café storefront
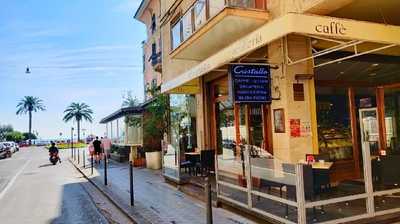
x=324, y=147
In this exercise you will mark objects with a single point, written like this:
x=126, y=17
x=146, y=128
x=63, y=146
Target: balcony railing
x=202, y=11
x=156, y=61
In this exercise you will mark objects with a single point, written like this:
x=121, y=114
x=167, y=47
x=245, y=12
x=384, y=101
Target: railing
x=202, y=11
x=285, y=192
x=156, y=59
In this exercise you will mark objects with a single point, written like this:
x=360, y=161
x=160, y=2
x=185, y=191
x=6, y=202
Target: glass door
x=369, y=130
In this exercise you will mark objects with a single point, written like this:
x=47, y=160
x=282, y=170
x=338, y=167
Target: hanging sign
x=250, y=83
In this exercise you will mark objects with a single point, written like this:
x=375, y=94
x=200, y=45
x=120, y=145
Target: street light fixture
x=27, y=71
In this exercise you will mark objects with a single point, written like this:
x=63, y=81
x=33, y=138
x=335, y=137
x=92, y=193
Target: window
x=153, y=23
x=334, y=127
x=176, y=31
x=144, y=62
x=200, y=15
x=153, y=49
x=187, y=25
x=154, y=83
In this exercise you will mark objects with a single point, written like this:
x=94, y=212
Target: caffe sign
x=335, y=28
x=250, y=83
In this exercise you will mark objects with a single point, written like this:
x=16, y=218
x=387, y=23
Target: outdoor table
x=192, y=153
x=322, y=165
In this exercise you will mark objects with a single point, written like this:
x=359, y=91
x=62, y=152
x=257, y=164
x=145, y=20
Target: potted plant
x=155, y=124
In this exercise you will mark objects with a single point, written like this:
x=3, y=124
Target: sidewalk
x=155, y=201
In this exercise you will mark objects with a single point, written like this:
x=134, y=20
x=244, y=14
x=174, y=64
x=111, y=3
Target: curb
x=134, y=219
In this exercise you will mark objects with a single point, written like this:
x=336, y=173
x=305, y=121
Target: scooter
x=54, y=158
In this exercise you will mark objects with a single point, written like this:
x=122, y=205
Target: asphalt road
x=34, y=191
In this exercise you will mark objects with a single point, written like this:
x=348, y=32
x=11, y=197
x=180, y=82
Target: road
x=33, y=191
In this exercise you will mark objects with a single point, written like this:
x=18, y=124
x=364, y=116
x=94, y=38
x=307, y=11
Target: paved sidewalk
x=155, y=201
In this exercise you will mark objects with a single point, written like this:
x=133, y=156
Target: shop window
x=334, y=126
x=392, y=120
x=182, y=133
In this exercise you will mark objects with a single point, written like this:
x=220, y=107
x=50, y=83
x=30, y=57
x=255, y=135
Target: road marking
x=13, y=179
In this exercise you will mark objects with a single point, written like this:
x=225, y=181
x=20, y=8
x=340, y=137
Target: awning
x=292, y=23
x=122, y=112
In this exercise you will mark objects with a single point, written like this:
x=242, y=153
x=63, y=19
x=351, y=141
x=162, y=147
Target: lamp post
x=72, y=142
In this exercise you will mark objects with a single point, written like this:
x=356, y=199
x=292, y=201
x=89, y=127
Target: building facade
x=149, y=14
x=328, y=136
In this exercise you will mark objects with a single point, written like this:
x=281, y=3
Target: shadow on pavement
x=45, y=165
x=76, y=207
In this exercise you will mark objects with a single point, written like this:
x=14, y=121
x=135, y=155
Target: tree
x=155, y=122
x=131, y=101
x=30, y=104
x=4, y=129
x=78, y=112
x=28, y=135
x=14, y=136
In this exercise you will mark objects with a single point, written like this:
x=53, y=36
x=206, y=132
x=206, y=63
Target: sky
x=78, y=51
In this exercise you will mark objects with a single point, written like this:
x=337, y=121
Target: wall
x=149, y=73
x=173, y=67
x=286, y=147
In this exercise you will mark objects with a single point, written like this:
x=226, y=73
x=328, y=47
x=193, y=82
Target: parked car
x=23, y=144
x=12, y=145
x=4, y=151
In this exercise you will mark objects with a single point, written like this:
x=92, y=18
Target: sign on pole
x=250, y=83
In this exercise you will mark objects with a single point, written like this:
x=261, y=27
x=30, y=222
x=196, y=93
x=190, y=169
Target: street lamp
x=72, y=142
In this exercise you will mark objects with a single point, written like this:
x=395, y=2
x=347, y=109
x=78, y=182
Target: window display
x=334, y=128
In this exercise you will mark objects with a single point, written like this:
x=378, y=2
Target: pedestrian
x=97, y=149
x=106, y=144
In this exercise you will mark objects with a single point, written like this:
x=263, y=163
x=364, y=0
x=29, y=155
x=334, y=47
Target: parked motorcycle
x=54, y=158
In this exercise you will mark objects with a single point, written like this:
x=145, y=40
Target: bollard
x=131, y=182
x=83, y=158
x=208, y=201
x=79, y=161
x=72, y=154
x=91, y=162
x=105, y=169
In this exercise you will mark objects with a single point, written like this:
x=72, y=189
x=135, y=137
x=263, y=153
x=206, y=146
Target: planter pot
x=141, y=162
x=153, y=160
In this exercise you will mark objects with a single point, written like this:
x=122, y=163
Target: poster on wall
x=279, y=121
x=295, y=129
x=250, y=83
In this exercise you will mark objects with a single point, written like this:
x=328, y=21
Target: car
x=5, y=152
x=12, y=145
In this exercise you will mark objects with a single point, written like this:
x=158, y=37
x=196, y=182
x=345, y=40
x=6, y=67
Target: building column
x=287, y=146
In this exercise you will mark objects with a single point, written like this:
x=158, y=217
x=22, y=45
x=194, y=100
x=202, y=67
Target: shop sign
x=331, y=28
x=250, y=83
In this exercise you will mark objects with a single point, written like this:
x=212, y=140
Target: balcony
x=210, y=25
x=156, y=61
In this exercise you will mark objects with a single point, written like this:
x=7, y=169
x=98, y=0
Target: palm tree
x=78, y=112
x=30, y=104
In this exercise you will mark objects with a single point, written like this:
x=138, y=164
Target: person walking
x=97, y=149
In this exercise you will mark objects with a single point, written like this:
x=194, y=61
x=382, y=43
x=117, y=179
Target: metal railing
x=239, y=181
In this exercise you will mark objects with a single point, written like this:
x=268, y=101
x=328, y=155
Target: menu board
x=250, y=83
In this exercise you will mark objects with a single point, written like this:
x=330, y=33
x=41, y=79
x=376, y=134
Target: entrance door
x=369, y=129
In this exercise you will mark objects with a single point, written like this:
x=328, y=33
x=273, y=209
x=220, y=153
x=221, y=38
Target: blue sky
x=78, y=50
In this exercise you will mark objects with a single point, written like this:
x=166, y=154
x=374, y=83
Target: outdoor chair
x=206, y=163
